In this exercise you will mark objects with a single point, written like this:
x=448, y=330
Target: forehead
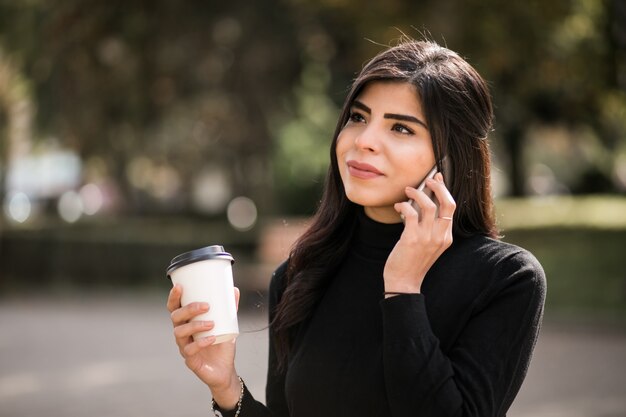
x=391, y=97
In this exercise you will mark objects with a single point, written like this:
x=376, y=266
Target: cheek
x=412, y=166
x=341, y=144
x=341, y=148
x=416, y=168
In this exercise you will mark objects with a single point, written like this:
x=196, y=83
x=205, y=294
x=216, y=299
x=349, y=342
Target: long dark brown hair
x=458, y=110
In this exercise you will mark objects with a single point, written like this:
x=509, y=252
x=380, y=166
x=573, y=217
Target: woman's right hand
x=213, y=364
x=425, y=237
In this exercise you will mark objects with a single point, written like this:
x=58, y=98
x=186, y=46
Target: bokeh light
x=242, y=213
x=211, y=190
x=17, y=207
x=70, y=206
x=92, y=199
x=139, y=172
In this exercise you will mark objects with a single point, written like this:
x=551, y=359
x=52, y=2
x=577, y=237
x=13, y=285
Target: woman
x=386, y=307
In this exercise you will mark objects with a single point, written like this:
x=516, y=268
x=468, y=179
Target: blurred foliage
x=151, y=94
x=597, y=212
x=303, y=142
x=584, y=269
x=182, y=84
x=580, y=243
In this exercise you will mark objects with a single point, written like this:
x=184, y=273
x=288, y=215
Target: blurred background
x=131, y=131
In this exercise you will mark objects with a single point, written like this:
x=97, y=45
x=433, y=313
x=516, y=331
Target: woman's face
x=384, y=147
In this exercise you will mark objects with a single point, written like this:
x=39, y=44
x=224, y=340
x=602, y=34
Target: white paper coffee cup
x=206, y=275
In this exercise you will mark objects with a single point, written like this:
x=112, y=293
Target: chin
x=370, y=199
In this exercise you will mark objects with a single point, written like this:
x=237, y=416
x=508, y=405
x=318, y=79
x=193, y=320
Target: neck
x=386, y=215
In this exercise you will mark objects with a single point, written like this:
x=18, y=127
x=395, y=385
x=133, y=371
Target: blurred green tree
x=551, y=63
x=182, y=85
x=155, y=93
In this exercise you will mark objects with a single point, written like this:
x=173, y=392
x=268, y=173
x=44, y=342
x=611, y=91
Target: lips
x=363, y=170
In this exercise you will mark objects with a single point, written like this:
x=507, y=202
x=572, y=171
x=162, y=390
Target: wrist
x=227, y=396
x=402, y=288
x=389, y=294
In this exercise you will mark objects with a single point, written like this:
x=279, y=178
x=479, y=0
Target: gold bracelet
x=214, y=404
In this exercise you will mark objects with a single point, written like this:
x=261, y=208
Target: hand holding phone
x=422, y=186
x=426, y=236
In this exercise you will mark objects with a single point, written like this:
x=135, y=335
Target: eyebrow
x=402, y=117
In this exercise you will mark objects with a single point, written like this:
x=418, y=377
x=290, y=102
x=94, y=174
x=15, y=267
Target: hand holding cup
x=206, y=276
x=203, y=305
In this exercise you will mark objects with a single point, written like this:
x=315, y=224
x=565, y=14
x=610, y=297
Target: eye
x=400, y=128
x=356, y=117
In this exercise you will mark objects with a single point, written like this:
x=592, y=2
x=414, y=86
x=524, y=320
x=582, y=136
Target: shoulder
x=498, y=262
x=492, y=252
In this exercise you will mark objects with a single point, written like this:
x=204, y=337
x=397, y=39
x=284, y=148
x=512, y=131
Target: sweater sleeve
x=481, y=373
x=275, y=388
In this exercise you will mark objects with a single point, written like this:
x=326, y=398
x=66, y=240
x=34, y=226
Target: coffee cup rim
x=196, y=255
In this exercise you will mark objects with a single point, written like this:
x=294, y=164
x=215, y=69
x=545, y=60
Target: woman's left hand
x=425, y=237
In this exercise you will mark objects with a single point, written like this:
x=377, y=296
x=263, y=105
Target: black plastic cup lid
x=202, y=254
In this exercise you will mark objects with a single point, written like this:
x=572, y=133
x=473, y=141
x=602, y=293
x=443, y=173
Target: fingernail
x=208, y=340
x=203, y=306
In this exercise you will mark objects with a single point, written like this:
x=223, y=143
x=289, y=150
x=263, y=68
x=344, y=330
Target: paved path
x=114, y=356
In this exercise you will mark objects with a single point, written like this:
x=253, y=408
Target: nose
x=368, y=139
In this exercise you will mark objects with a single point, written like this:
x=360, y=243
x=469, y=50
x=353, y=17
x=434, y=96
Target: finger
x=407, y=213
x=426, y=206
x=191, y=310
x=183, y=332
x=447, y=205
x=196, y=346
x=237, y=297
x=173, y=300
x=442, y=230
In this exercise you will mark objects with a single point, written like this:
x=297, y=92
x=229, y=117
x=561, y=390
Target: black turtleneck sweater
x=460, y=348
